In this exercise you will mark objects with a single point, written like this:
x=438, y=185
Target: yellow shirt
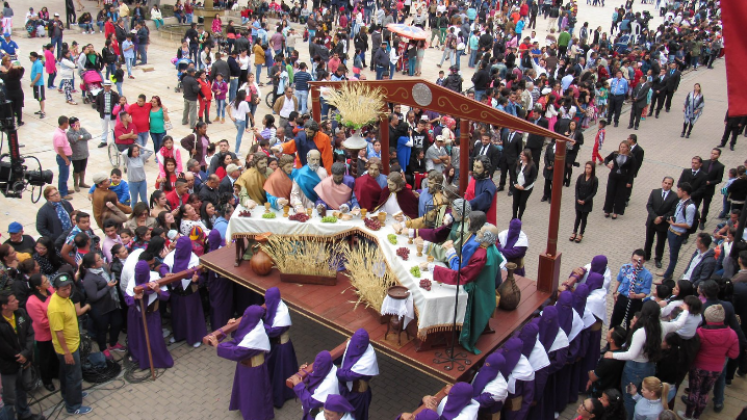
x=62, y=317
x=12, y=321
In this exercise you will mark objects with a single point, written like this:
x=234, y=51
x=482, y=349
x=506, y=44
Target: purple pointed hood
x=338, y=404
x=548, y=327
x=358, y=345
x=322, y=366
x=142, y=273
x=565, y=311
x=214, y=240
x=272, y=300
x=182, y=254
x=579, y=299
x=494, y=364
x=427, y=414
x=459, y=397
x=594, y=281
x=528, y=335
x=514, y=229
x=512, y=353
x=599, y=264
x=251, y=317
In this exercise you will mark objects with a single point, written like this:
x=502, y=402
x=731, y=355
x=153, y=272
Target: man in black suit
x=210, y=190
x=485, y=148
x=512, y=147
x=732, y=127
x=673, y=83
x=714, y=171
x=640, y=97
x=536, y=142
x=660, y=87
x=696, y=177
x=637, y=151
x=232, y=174
x=661, y=205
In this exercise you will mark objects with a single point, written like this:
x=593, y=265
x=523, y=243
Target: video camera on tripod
x=15, y=176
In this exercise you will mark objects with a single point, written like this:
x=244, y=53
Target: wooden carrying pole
x=161, y=282
x=439, y=397
x=336, y=353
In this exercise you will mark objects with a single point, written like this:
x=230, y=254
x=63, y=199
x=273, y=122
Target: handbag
x=167, y=125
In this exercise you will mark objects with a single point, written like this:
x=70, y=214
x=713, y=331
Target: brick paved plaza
x=199, y=385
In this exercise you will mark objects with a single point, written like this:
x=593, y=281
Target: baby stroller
x=181, y=66
x=91, y=85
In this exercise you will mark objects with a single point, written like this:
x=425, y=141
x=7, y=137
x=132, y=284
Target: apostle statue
x=336, y=192
x=305, y=180
x=252, y=182
x=481, y=189
x=308, y=139
x=397, y=198
x=452, y=230
x=477, y=273
x=369, y=185
x=279, y=185
x=432, y=204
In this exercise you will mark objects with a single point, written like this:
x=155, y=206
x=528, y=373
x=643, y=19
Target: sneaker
x=42, y=115
x=165, y=332
x=717, y=408
x=107, y=354
x=172, y=340
x=197, y=344
x=117, y=347
x=81, y=411
x=83, y=394
x=683, y=416
x=37, y=112
x=102, y=145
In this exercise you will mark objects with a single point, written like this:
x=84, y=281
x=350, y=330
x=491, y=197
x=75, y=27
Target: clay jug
x=260, y=262
x=510, y=294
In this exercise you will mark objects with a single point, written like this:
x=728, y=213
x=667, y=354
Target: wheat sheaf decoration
x=359, y=105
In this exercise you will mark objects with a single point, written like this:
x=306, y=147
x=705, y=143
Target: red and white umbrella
x=407, y=31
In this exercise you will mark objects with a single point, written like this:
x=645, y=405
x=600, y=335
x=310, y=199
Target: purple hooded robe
x=357, y=347
x=135, y=332
x=305, y=390
x=188, y=318
x=282, y=362
x=494, y=364
x=251, y=393
x=221, y=289
x=514, y=253
x=563, y=377
x=548, y=332
x=579, y=371
x=459, y=397
x=590, y=358
x=512, y=352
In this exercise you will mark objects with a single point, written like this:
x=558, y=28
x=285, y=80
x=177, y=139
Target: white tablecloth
x=435, y=308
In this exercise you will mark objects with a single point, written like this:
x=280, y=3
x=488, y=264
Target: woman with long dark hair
x=622, y=165
x=586, y=188
x=572, y=148
x=45, y=255
x=158, y=203
x=644, y=347
x=140, y=216
x=612, y=401
x=523, y=183
x=103, y=296
x=167, y=221
x=36, y=306
x=207, y=214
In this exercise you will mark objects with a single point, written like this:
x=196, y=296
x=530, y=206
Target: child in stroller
x=91, y=86
x=181, y=65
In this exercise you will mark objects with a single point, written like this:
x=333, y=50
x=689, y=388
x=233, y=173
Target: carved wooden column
x=316, y=106
x=549, y=261
x=463, y=155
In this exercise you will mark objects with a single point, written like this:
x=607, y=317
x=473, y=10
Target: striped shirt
x=302, y=79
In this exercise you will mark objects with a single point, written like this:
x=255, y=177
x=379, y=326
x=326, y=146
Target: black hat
x=63, y=279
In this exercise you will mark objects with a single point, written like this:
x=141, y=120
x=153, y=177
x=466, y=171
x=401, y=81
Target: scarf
x=252, y=181
x=367, y=191
x=307, y=180
x=332, y=193
x=63, y=215
x=279, y=184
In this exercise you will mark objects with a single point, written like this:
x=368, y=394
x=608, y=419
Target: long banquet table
x=434, y=308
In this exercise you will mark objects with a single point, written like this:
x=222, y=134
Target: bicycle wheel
x=114, y=156
x=268, y=100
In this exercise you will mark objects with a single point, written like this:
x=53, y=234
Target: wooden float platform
x=334, y=307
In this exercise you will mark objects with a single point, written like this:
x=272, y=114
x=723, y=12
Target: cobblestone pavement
x=199, y=385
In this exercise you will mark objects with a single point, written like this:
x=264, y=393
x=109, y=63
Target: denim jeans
x=142, y=139
x=220, y=105
x=675, y=242
x=411, y=66
x=240, y=127
x=479, y=94
x=110, y=69
x=257, y=72
x=380, y=72
x=157, y=140
x=129, y=62
x=71, y=382
x=472, y=58
x=634, y=372
x=143, y=54
x=14, y=395
x=119, y=89
x=100, y=25
x=719, y=386
x=6, y=413
x=63, y=176
x=138, y=188
x=57, y=42
x=233, y=87
x=87, y=27
x=392, y=70
x=303, y=98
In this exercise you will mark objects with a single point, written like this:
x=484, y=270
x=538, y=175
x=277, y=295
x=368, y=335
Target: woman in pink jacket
x=36, y=306
x=50, y=65
x=717, y=342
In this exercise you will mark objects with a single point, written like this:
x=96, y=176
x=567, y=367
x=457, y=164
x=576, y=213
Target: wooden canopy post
x=384, y=139
x=316, y=106
x=549, y=261
x=463, y=156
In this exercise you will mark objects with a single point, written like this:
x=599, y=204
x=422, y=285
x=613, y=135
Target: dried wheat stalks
x=296, y=256
x=369, y=274
x=359, y=105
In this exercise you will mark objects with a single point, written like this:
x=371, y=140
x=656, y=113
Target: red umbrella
x=407, y=31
